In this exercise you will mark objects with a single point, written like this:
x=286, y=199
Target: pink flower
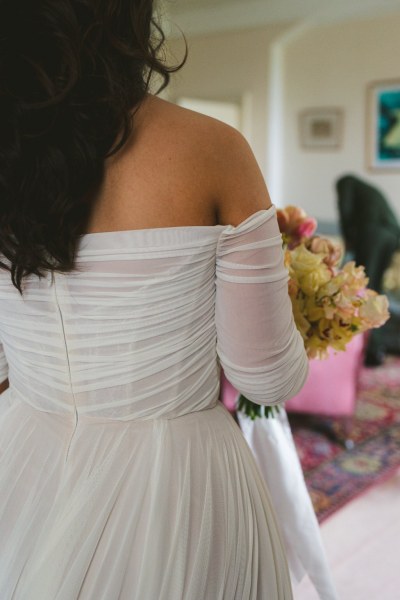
x=295, y=225
x=306, y=228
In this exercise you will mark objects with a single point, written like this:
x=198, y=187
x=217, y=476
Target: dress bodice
x=131, y=333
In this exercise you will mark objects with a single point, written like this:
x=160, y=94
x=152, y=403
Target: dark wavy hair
x=72, y=75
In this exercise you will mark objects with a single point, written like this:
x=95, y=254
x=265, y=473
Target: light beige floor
x=362, y=542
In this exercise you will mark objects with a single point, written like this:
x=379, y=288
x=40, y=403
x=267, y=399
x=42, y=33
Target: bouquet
x=331, y=304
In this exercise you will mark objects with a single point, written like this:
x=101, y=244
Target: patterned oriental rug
x=334, y=475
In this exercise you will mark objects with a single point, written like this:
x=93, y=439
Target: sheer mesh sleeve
x=258, y=345
x=3, y=365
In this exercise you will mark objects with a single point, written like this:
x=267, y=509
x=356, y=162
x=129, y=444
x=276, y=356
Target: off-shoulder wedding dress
x=122, y=477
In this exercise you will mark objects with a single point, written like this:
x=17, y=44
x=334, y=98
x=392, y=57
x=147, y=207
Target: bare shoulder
x=221, y=158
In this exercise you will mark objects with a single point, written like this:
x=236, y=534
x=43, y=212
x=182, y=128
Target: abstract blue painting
x=384, y=115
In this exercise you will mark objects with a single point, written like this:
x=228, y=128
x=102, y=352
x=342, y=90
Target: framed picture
x=383, y=126
x=321, y=128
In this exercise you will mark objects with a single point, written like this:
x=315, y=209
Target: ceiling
x=196, y=17
x=183, y=4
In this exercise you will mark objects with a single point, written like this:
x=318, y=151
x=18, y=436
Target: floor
x=362, y=542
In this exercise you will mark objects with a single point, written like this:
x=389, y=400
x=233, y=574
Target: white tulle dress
x=121, y=475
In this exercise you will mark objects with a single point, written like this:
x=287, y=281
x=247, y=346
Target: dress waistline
x=87, y=418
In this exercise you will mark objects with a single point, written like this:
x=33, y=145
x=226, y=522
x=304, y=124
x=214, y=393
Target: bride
x=139, y=252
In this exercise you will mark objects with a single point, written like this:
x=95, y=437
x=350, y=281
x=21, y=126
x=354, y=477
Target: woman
x=139, y=251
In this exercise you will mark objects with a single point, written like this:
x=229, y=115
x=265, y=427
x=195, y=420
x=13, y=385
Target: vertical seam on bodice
x=67, y=359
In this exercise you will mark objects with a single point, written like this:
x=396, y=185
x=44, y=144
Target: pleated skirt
x=161, y=509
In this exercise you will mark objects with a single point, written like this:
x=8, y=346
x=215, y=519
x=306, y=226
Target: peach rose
x=333, y=252
x=374, y=312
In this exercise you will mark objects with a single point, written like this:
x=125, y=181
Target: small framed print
x=383, y=126
x=321, y=128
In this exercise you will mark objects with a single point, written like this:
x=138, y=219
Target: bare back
x=179, y=168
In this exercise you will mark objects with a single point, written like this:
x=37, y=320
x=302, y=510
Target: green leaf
x=256, y=411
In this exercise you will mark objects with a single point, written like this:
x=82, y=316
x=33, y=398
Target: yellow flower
x=311, y=282
x=302, y=323
x=345, y=307
x=324, y=328
x=339, y=344
x=315, y=347
x=287, y=259
x=356, y=325
x=303, y=262
x=332, y=251
x=331, y=287
x=309, y=270
x=341, y=334
x=355, y=279
x=328, y=307
x=313, y=310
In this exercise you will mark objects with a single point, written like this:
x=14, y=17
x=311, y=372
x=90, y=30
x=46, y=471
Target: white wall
x=228, y=66
x=331, y=65
x=325, y=65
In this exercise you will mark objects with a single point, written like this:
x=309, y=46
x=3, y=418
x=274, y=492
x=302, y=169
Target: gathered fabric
x=122, y=477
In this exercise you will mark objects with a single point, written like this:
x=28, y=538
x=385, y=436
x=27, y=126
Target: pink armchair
x=331, y=386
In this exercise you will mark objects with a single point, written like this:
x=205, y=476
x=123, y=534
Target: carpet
x=334, y=475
